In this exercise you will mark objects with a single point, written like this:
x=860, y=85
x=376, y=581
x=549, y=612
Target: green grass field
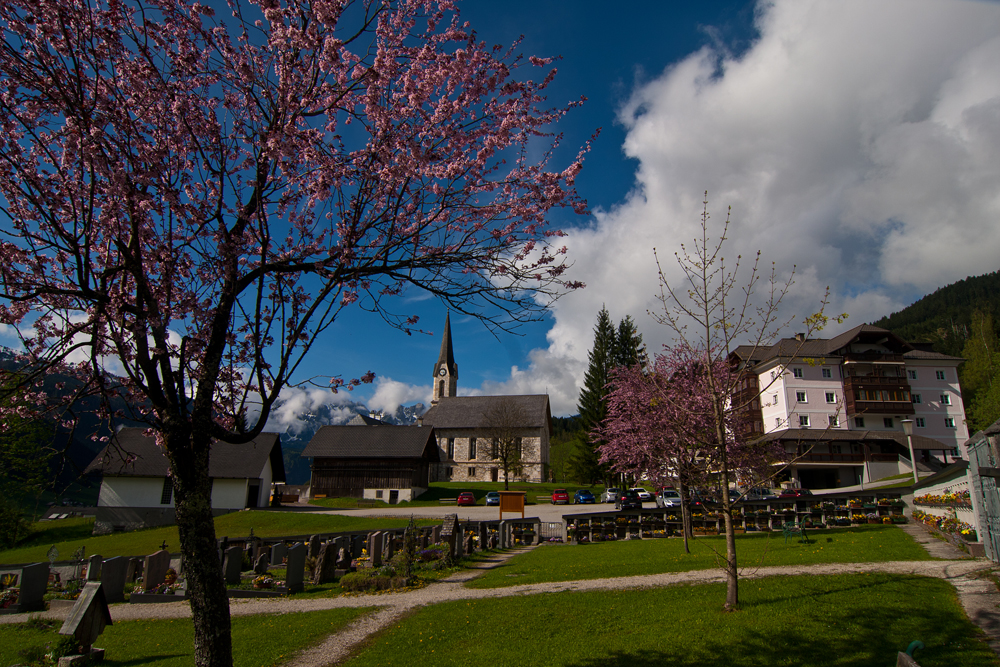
x=845, y=620
x=569, y=562
x=258, y=641
x=70, y=534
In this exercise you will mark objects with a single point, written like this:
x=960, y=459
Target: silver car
x=610, y=494
x=668, y=498
x=644, y=495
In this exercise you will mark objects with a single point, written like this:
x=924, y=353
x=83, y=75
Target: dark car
x=560, y=497
x=466, y=498
x=583, y=496
x=795, y=493
x=628, y=499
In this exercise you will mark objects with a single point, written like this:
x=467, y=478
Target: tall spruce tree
x=629, y=349
x=585, y=466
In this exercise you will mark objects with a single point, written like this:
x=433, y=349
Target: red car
x=795, y=493
x=560, y=497
x=466, y=498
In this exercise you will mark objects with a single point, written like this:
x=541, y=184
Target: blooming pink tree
x=198, y=198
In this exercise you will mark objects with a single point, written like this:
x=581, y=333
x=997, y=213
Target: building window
x=920, y=422
x=378, y=493
x=495, y=448
x=804, y=421
x=517, y=447
x=451, y=448
x=827, y=373
x=859, y=422
x=472, y=448
x=168, y=491
x=797, y=373
x=945, y=399
x=447, y=472
x=912, y=375
x=939, y=375
x=949, y=422
x=834, y=420
x=800, y=396
x=777, y=422
x=472, y=473
x=772, y=375
x=887, y=421
x=831, y=397
x=835, y=449
x=916, y=398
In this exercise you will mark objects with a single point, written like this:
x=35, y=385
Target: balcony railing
x=852, y=381
x=871, y=357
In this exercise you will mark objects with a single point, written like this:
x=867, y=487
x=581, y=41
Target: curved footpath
x=978, y=594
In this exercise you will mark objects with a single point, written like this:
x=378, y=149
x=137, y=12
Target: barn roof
x=383, y=442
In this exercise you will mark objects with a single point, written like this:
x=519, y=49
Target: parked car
x=644, y=495
x=466, y=498
x=560, y=497
x=610, y=494
x=628, y=500
x=583, y=496
x=759, y=493
x=493, y=498
x=795, y=493
x=668, y=498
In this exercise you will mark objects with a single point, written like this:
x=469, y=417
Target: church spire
x=445, y=380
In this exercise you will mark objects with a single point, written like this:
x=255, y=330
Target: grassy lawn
x=257, y=640
x=70, y=534
x=440, y=490
x=844, y=620
x=568, y=562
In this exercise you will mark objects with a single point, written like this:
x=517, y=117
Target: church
x=466, y=426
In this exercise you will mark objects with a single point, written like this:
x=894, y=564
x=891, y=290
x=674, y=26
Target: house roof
x=834, y=435
x=471, y=411
x=820, y=347
x=226, y=460
x=382, y=442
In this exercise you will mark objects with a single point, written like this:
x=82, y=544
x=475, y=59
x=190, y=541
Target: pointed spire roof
x=447, y=356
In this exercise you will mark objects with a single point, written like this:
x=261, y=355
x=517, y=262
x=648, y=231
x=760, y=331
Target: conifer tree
x=592, y=405
x=981, y=372
x=629, y=349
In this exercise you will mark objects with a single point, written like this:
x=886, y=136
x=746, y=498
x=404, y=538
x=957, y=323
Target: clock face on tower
x=443, y=372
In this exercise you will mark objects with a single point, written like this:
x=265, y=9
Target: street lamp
x=908, y=430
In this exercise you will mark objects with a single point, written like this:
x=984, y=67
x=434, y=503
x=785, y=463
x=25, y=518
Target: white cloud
x=296, y=407
x=856, y=139
x=390, y=394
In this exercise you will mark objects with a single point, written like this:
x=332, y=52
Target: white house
x=137, y=492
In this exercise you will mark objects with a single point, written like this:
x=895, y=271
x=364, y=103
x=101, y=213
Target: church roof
x=383, y=442
x=226, y=460
x=471, y=411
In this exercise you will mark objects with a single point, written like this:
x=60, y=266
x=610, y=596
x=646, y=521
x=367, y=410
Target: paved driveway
x=544, y=511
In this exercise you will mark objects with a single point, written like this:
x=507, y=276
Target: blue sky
x=856, y=140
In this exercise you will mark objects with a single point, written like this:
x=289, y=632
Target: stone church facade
x=466, y=450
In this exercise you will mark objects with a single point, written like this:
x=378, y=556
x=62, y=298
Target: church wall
x=534, y=456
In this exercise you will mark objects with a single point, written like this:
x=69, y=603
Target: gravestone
x=326, y=565
x=357, y=545
x=502, y=535
x=435, y=534
x=94, y=568
x=155, y=570
x=261, y=564
x=295, y=567
x=134, y=570
x=450, y=534
x=469, y=545
x=375, y=548
x=113, y=572
x=491, y=541
x=314, y=546
x=389, y=546
x=483, y=532
x=233, y=565
x=88, y=618
x=422, y=540
x=278, y=553
x=34, y=579
x=343, y=559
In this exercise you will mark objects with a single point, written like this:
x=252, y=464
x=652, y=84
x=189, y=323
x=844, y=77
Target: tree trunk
x=685, y=515
x=202, y=568
x=732, y=574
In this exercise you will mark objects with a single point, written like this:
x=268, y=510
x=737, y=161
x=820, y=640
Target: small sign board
x=511, y=501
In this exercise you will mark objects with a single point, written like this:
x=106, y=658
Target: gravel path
x=979, y=595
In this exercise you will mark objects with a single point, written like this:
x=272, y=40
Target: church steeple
x=445, y=380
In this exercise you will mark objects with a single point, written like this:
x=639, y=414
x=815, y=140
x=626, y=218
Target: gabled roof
x=841, y=435
x=226, y=460
x=381, y=442
x=470, y=411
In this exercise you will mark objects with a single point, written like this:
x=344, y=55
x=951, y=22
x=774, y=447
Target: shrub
x=371, y=580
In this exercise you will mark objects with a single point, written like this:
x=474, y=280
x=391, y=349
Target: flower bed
x=948, y=525
x=957, y=499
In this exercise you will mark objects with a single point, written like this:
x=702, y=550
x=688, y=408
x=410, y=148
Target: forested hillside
x=944, y=316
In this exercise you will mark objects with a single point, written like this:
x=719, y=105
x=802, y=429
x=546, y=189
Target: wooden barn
x=389, y=463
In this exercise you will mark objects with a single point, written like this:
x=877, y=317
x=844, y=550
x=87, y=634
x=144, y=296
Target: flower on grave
x=8, y=597
x=264, y=581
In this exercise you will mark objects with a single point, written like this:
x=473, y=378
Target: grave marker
x=314, y=546
x=326, y=564
x=233, y=565
x=295, y=567
x=278, y=553
x=88, y=618
x=113, y=572
x=261, y=565
x=155, y=570
x=94, y=568
x=34, y=580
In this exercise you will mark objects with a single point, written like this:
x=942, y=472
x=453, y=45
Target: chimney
x=801, y=337
x=420, y=421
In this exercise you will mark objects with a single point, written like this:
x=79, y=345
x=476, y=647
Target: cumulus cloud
x=297, y=407
x=390, y=394
x=856, y=140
